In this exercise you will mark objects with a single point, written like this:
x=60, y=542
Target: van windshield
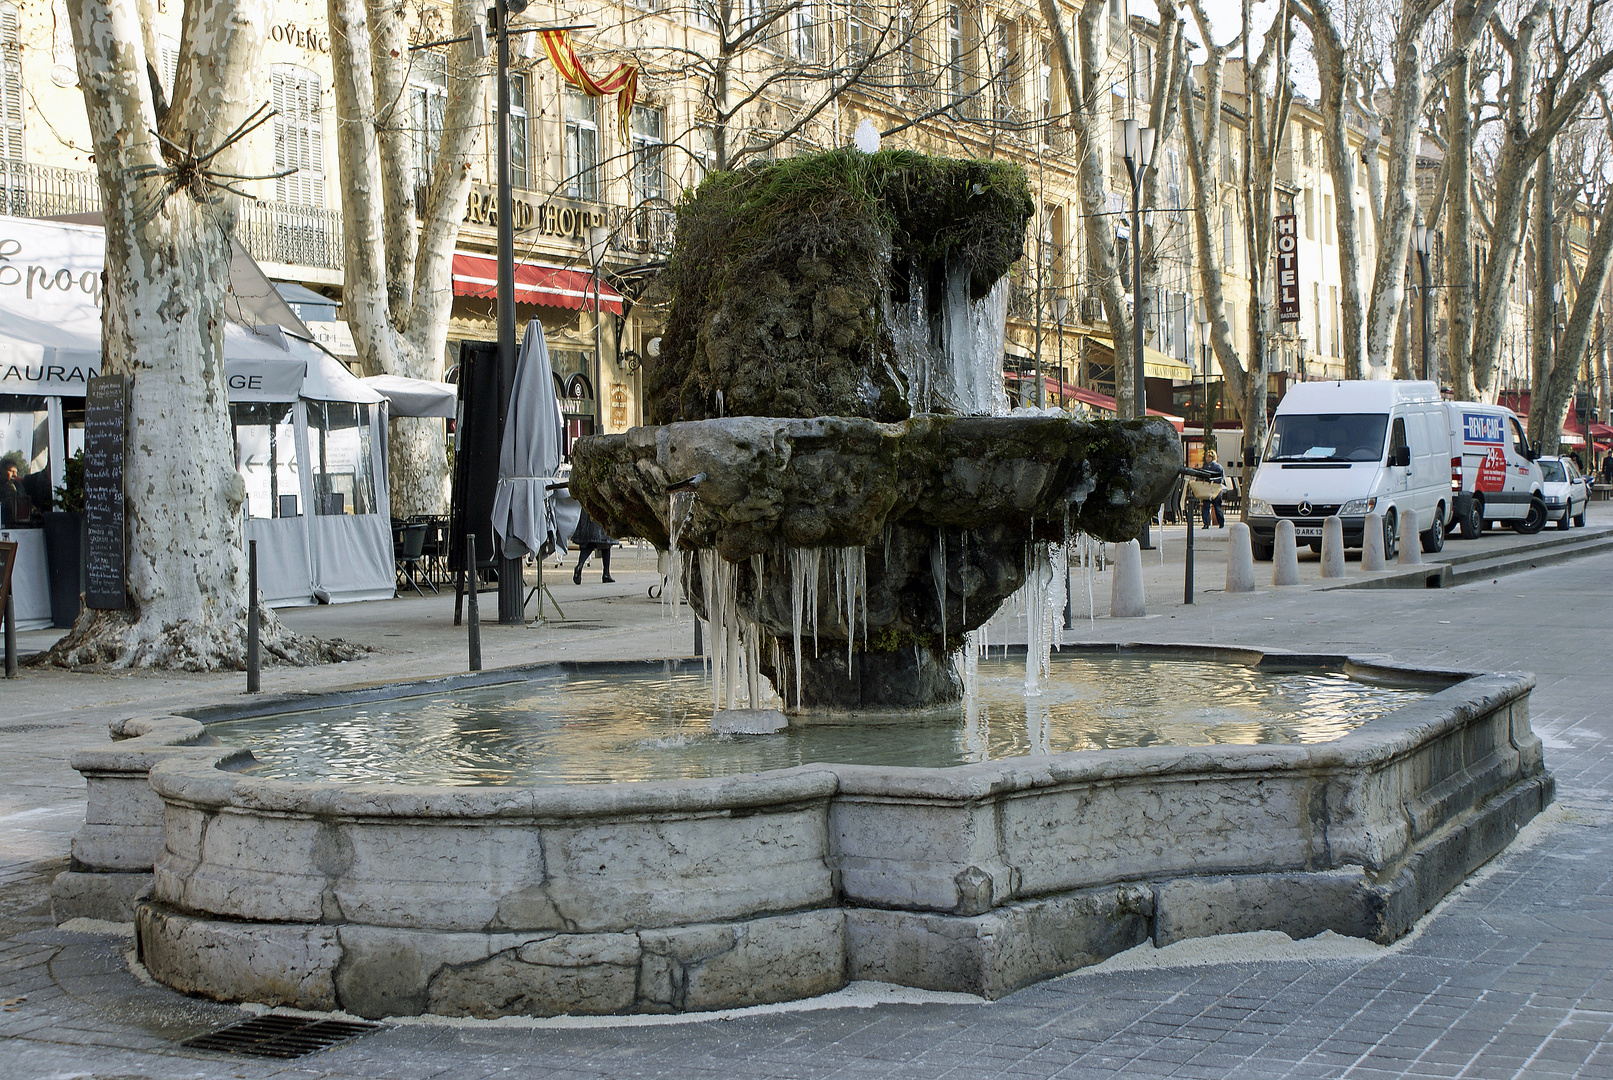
x=1327, y=437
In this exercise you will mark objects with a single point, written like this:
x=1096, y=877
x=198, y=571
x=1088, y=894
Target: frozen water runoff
x=949, y=362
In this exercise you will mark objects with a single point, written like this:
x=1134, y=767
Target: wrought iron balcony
x=291, y=235
x=644, y=230
x=38, y=191
x=272, y=232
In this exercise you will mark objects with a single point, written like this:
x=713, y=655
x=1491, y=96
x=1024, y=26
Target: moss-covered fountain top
x=835, y=458
x=785, y=276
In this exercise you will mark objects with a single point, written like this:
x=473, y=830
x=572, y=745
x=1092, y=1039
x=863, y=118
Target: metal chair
x=411, y=544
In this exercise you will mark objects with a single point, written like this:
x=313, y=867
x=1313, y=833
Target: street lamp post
x=511, y=586
x=1204, y=365
x=1139, y=151
x=1424, y=245
x=1061, y=305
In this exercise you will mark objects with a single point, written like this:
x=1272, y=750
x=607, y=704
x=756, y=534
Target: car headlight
x=1554, y=500
x=1357, y=507
x=1260, y=508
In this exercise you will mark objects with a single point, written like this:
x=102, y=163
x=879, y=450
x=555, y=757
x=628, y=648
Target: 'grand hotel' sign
x=563, y=219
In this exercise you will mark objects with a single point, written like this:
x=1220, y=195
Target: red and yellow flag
x=623, y=82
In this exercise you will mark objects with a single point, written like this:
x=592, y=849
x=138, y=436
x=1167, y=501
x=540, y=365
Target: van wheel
x=1263, y=552
x=1391, y=536
x=1532, y=522
x=1473, y=521
x=1434, y=538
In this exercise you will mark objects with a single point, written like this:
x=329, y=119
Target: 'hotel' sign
x=1287, y=267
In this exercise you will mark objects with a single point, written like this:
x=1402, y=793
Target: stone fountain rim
x=183, y=767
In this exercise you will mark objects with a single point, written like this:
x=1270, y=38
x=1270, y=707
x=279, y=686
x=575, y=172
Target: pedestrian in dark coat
x=589, y=538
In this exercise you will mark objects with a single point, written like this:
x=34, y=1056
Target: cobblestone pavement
x=1511, y=977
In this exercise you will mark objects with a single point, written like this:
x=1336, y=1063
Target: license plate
x=1307, y=531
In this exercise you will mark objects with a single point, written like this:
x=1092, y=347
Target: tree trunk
x=1574, y=349
x=1086, y=127
x=1332, y=59
x=1541, y=360
x=1459, y=270
x=1399, y=207
x=398, y=292
x=167, y=271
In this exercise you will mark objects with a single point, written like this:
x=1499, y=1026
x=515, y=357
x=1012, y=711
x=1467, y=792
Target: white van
x=1493, y=472
x=1354, y=448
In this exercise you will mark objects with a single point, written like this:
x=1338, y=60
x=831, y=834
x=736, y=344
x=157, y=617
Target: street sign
x=1287, y=267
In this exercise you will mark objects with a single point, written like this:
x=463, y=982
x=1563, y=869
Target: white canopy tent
x=310, y=442
x=291, y=404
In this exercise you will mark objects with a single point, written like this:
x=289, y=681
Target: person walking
x=1212, y=507
x=590, y=537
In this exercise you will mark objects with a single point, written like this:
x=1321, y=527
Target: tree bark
x=1459, y=271
x=398, y=292
x=168, y=254
x=1574, y=349
x=1085, y=123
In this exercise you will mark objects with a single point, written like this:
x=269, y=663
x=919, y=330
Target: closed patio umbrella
x=529, y=457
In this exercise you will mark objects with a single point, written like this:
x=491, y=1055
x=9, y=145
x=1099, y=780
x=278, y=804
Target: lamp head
x=1203, y=314
x=1061, y=304
x=1147, y=156
x=1131, y=140
x=1420, y=230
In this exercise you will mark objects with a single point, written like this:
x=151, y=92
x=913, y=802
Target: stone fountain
x=831, y=464
x=871, y=504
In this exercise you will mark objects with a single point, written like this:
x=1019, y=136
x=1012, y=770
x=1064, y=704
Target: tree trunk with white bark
x=398, y=284
x=1084, y=88
x=168, y=227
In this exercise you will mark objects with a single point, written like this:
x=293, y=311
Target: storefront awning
x=1156, y=365
x=535, y=283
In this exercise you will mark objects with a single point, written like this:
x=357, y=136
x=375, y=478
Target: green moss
x=780, y=269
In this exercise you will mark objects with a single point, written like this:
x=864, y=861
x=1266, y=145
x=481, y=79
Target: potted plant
x=64, y=544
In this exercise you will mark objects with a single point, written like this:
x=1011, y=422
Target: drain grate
x=280, y=1036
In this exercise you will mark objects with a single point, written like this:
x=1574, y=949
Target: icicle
x=797, y=597
x=963, y=573
x=938, y=570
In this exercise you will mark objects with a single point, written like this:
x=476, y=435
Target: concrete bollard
x=1372, y=556
x=1333, y=547
x=1240, y=559
x=1285, y=556
x=1411, y=544
x=1126, y=598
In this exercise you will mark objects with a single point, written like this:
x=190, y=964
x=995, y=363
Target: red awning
x=1058, y=388
x=535, y=283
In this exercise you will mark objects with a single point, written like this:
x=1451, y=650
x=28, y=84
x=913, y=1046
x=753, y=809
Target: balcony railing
x=292, y=235
x=39, y=191
x=645, y=230
x=272, y=232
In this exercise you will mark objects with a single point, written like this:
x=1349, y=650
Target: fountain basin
x=703, y=894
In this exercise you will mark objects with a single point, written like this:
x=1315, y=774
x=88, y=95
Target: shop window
x=582, y=145
x=25, y=492
x=266, y=458
x=342, y=467
x=299, y=135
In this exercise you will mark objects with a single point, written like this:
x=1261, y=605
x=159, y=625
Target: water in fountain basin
x=579, y=728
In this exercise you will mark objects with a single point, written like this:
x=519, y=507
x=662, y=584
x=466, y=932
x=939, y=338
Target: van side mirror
x=1401, y=456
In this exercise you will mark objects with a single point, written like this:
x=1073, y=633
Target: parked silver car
x=1565, y=489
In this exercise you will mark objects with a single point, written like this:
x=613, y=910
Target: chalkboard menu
x=105, y=410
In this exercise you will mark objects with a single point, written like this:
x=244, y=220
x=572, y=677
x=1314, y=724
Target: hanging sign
x=1287, y=226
